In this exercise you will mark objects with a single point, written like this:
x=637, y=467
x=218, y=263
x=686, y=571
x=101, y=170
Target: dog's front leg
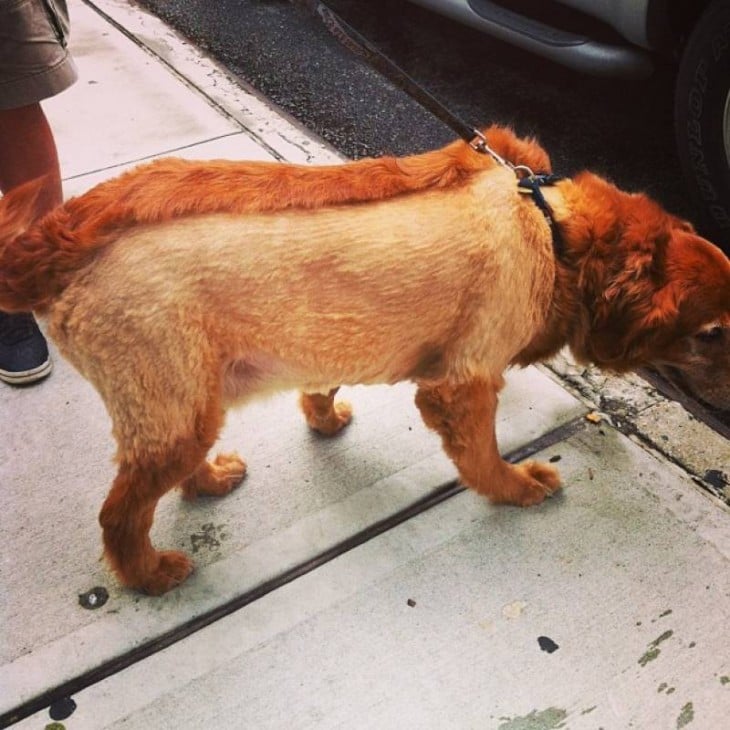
x=464, y=416
x=323, y=414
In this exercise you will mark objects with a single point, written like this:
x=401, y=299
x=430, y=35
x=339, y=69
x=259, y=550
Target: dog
x=182, y=288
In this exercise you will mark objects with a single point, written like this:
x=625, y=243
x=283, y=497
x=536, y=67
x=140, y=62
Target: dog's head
x=654, y=293
x=695, y=352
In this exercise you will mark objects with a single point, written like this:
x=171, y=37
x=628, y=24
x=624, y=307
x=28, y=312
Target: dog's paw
x=216, y=478
x=538, y=481
x=525, y=485
x=333, y=422
x=173, y=568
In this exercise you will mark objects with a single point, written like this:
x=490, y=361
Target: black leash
x=361, y=46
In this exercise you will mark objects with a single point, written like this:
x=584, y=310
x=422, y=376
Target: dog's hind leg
x=126, y=518
x=323, y=414
x=464, y=417
x=147, y=470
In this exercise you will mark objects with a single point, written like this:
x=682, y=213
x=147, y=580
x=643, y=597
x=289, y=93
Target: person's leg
x=27, y=151
x=35, y=64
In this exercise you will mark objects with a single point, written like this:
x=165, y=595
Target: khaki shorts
x=34, y=59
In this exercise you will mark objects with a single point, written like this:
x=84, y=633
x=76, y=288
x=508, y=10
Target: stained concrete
x=436, y=621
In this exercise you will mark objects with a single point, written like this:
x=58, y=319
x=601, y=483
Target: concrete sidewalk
x=345, y=583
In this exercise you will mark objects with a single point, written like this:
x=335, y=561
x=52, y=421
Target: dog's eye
x=712, y=334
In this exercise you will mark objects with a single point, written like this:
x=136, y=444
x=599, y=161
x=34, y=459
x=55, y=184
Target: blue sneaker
x=24, y=354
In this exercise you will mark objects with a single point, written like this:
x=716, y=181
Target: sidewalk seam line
x=150, y=157
x=188, y=82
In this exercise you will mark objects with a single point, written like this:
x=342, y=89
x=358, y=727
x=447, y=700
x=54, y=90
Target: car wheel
x=702, y=114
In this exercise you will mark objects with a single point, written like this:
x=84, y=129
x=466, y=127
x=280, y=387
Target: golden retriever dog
x=181, y=288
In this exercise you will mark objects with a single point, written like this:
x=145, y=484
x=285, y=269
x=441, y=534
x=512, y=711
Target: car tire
x=702, y=117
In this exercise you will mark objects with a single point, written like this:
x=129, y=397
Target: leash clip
x=479, y=143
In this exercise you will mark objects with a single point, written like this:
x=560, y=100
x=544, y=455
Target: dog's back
x=353, y=294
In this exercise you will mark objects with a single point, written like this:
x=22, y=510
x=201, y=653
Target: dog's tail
x=36, y=255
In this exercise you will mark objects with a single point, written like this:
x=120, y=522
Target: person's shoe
x=24, y=354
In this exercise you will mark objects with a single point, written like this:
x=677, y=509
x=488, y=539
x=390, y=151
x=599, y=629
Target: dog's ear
x=664, y=308
x=624, y=278
x=626, y=323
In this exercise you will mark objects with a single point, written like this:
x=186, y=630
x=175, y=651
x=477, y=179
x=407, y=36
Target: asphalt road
x=621, y=129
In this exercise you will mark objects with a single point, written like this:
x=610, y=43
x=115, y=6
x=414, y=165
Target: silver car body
x=628, y=17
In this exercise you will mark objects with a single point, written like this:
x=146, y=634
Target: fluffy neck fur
x=614, y=259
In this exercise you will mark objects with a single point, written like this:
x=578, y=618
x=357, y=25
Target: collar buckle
x=531, y=185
